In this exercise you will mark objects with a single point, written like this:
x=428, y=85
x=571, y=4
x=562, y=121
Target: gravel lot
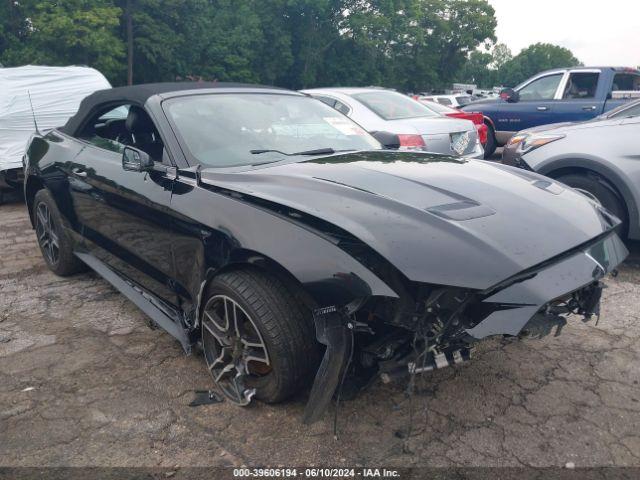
x=84, y=381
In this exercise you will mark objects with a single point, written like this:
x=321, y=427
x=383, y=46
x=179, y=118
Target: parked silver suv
x=600, y=158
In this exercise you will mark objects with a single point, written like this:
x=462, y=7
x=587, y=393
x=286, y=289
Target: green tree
x=460, y=27
x=500, y=54
x=534, y=59
x=83, y=32
x=477, y=70
x=416, y=45
x=406, y=44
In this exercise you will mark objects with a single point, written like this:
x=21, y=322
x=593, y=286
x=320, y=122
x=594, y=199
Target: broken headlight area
x=436, y=333
x=395, y=339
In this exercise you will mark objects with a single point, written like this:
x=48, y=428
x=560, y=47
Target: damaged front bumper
x=440, y=328
x=513, y=303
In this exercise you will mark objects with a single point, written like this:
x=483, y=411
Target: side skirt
x=143, y=300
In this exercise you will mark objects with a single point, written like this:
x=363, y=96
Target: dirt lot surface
x=84, y=381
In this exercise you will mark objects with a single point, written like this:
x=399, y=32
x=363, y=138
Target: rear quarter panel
x=47, y=162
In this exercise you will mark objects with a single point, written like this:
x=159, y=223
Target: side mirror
x=387, y=139
x=135, y=160
x=510, y=95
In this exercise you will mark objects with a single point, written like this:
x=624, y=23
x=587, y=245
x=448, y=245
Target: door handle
x=542, y=109
x=590, y=108
x=79, y=172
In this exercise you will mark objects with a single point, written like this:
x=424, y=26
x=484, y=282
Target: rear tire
x=597, y=188
x=53, y=239
x=491, y=145
x=270, y=316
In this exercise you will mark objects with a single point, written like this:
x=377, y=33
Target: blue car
x=555, y=96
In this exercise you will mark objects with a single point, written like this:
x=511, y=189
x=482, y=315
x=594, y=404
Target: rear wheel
x=258, y=340
x=599, y=190
x=491, y=145
x=53, y=239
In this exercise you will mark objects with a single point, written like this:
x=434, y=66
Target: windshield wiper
x=318, y=151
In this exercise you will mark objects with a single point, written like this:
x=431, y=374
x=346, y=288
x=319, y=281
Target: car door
x=124, y=215
x=535, y=106
x=580, y=98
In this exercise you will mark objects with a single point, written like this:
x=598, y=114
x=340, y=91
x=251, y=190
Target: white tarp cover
x=56, y=93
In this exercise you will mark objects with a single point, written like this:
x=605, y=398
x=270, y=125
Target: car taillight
x=482, y=133
x=475, y=117
x=411, y=141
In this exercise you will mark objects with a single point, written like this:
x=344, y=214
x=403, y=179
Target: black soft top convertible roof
x=139, y=94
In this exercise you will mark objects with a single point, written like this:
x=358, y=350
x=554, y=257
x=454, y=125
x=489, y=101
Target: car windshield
x=393, y=105
x=227, y=130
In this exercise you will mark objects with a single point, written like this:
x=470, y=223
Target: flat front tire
x=258, y=339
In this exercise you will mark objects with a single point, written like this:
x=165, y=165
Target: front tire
x=258, y=339
x=598, y=189
x=491, y=145
x=53, y=240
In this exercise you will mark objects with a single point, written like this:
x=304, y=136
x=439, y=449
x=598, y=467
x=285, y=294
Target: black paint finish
x=383, y=230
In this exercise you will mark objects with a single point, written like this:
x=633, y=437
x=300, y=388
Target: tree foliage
x=412, y=45
x=534, y=59
x=83, y=32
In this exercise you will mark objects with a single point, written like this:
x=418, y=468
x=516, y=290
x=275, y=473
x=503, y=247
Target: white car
x=454, y=101
x=418, y=127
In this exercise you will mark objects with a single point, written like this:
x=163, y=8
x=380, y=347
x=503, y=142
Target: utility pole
x=129, y=22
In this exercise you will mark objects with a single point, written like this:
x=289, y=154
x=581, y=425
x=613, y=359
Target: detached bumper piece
x=333, y=331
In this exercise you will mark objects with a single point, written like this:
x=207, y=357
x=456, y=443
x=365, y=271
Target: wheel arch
x=246, y=259
x=611, y=178
x=489, y=123
x=32, y=186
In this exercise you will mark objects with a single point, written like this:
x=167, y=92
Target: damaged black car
x=291, y=246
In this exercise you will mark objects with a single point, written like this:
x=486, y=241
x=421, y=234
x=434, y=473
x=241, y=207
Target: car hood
x=431, y=125
x=437, y=219
x=565, y=127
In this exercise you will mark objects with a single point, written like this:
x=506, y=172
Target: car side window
x=444, y=101
x=342, y=108
x=329, y=101
x=124, y=125
x=581, y=85
x=626, y=82
x=543, y=88
x=107, y=129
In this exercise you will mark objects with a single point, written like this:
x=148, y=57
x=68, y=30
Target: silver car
x=418, y=127
x=600, y=158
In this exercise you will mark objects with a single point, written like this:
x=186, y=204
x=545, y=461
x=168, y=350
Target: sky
x=598, y=32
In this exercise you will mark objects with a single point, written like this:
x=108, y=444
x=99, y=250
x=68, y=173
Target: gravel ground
x=84, y=382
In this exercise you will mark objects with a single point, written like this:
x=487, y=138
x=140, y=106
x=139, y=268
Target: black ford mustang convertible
x=295, y=248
